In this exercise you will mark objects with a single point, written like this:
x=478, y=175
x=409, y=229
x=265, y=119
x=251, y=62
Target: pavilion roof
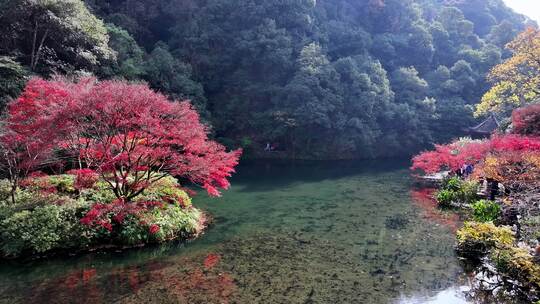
x=488, y=126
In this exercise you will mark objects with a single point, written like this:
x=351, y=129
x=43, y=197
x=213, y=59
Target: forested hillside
x=318, y=79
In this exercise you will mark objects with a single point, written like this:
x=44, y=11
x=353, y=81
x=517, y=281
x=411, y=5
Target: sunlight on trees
x=516, y=81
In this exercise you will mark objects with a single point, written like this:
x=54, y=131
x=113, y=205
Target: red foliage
x=513, y=143
x=88, y=274
x=526, y=121
x=85, y=178
x=128, y=134
x=458, y=153
x=30, y=130
x=451, y=156
x=154, y=229
x=425, y=200
x=131, y=131
x=104, y=215
x=38, y=182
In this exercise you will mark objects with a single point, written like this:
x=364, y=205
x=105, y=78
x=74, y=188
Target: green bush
x=5, y=191
x=468, y=193
x=44, y=228
x=446, y=197
x=63, y=183
x=167, y=189
x=455, y=190
x=100, y=193
x=42, y=221
x=133, y=232
x=486, y=211
x=175, y=221
x=452, y=184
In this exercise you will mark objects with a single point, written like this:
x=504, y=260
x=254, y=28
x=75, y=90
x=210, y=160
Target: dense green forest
x=319, y=79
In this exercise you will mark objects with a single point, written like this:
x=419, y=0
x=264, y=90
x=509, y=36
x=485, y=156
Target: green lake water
x=303, y=232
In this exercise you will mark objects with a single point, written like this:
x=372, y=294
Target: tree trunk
x=36, y=49
x=40, y=47
x=13, y=190
x=34, y=41
x=13, y=196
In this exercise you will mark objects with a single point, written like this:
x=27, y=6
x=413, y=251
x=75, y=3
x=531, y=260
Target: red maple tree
x=126, y=133
x=454, y=155
x=526, y=120
x=29, y=132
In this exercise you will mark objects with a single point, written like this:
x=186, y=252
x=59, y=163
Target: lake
x=286, y=232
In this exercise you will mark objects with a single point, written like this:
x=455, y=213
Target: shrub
x=41, y=221
x=101, y=192
x=133, y=232
x=64, y=183
x=475, y=239
x=526, y=120
x=452, y=184
x=5, y=191
x=468, y=192
x=445, y=197
x=156, y=225
x=166, y=190
x=455, y=190
x=174, y=221
x=486, y=211
x=519, y=264
x=44, y=228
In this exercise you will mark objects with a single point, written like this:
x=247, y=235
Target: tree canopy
x=53, y=35
x=127, y=134
x=319, y=79
x=516, y=81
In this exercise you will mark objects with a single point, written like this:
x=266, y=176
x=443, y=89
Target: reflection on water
x=336, y=232
x=424, y=199
x=452, y=295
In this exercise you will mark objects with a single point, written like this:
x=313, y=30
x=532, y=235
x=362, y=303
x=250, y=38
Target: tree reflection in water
x=425, y=200
x=184, y=280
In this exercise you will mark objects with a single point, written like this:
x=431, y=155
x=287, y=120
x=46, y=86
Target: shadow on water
x=266, y=175
x=302, y=232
